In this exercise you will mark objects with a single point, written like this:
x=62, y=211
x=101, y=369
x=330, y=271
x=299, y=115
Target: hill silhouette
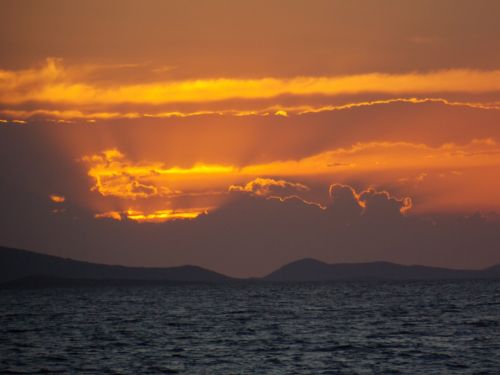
x=315, y=270
x=18, y=264
x=24, y=268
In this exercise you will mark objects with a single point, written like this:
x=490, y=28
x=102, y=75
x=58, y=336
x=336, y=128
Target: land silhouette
x=23, y=268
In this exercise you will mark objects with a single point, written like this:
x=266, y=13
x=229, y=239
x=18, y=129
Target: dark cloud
x=252, y=235
x=344, y=202
x=348, y=205
x=379, y=204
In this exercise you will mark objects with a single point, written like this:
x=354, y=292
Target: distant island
x=315, y=270
x=22, y=268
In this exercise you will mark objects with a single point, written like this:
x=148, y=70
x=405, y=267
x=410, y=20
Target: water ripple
x=253, y=328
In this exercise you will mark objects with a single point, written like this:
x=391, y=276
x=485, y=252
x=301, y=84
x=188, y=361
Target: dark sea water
x=253, y=328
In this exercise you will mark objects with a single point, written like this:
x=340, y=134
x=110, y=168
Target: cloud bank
x=252, y=234
x=59, y=93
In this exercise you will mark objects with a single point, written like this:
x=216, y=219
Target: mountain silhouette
x=26, y=268
x=315, y=270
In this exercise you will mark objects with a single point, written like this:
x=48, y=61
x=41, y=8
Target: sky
x=240, y=136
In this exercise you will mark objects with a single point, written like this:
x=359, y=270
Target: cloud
x=384, y=156
x=164, y=166
x=379, y=204
x=54, y=82
x=345, y=202
x=343, y=38
x=252, y=235
x=362, y=104
x=370, y=203
x=57, y=198
x=55, y=91
x=115, y=175
x=157, y=216
x=270, y=187
x=70, y=114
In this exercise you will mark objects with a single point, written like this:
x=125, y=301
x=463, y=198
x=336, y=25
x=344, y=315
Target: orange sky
x=164, y=112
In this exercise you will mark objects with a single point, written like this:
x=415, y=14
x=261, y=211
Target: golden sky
x=157, y=124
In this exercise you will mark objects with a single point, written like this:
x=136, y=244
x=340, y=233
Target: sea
x=438, y=327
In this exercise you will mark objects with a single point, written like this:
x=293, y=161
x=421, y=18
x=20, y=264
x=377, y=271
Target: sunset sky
x=242, y=135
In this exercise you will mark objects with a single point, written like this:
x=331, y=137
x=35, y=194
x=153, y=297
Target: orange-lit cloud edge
x=57, y=198
x=113, y=175
x=65, y=93
x=60, y=93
